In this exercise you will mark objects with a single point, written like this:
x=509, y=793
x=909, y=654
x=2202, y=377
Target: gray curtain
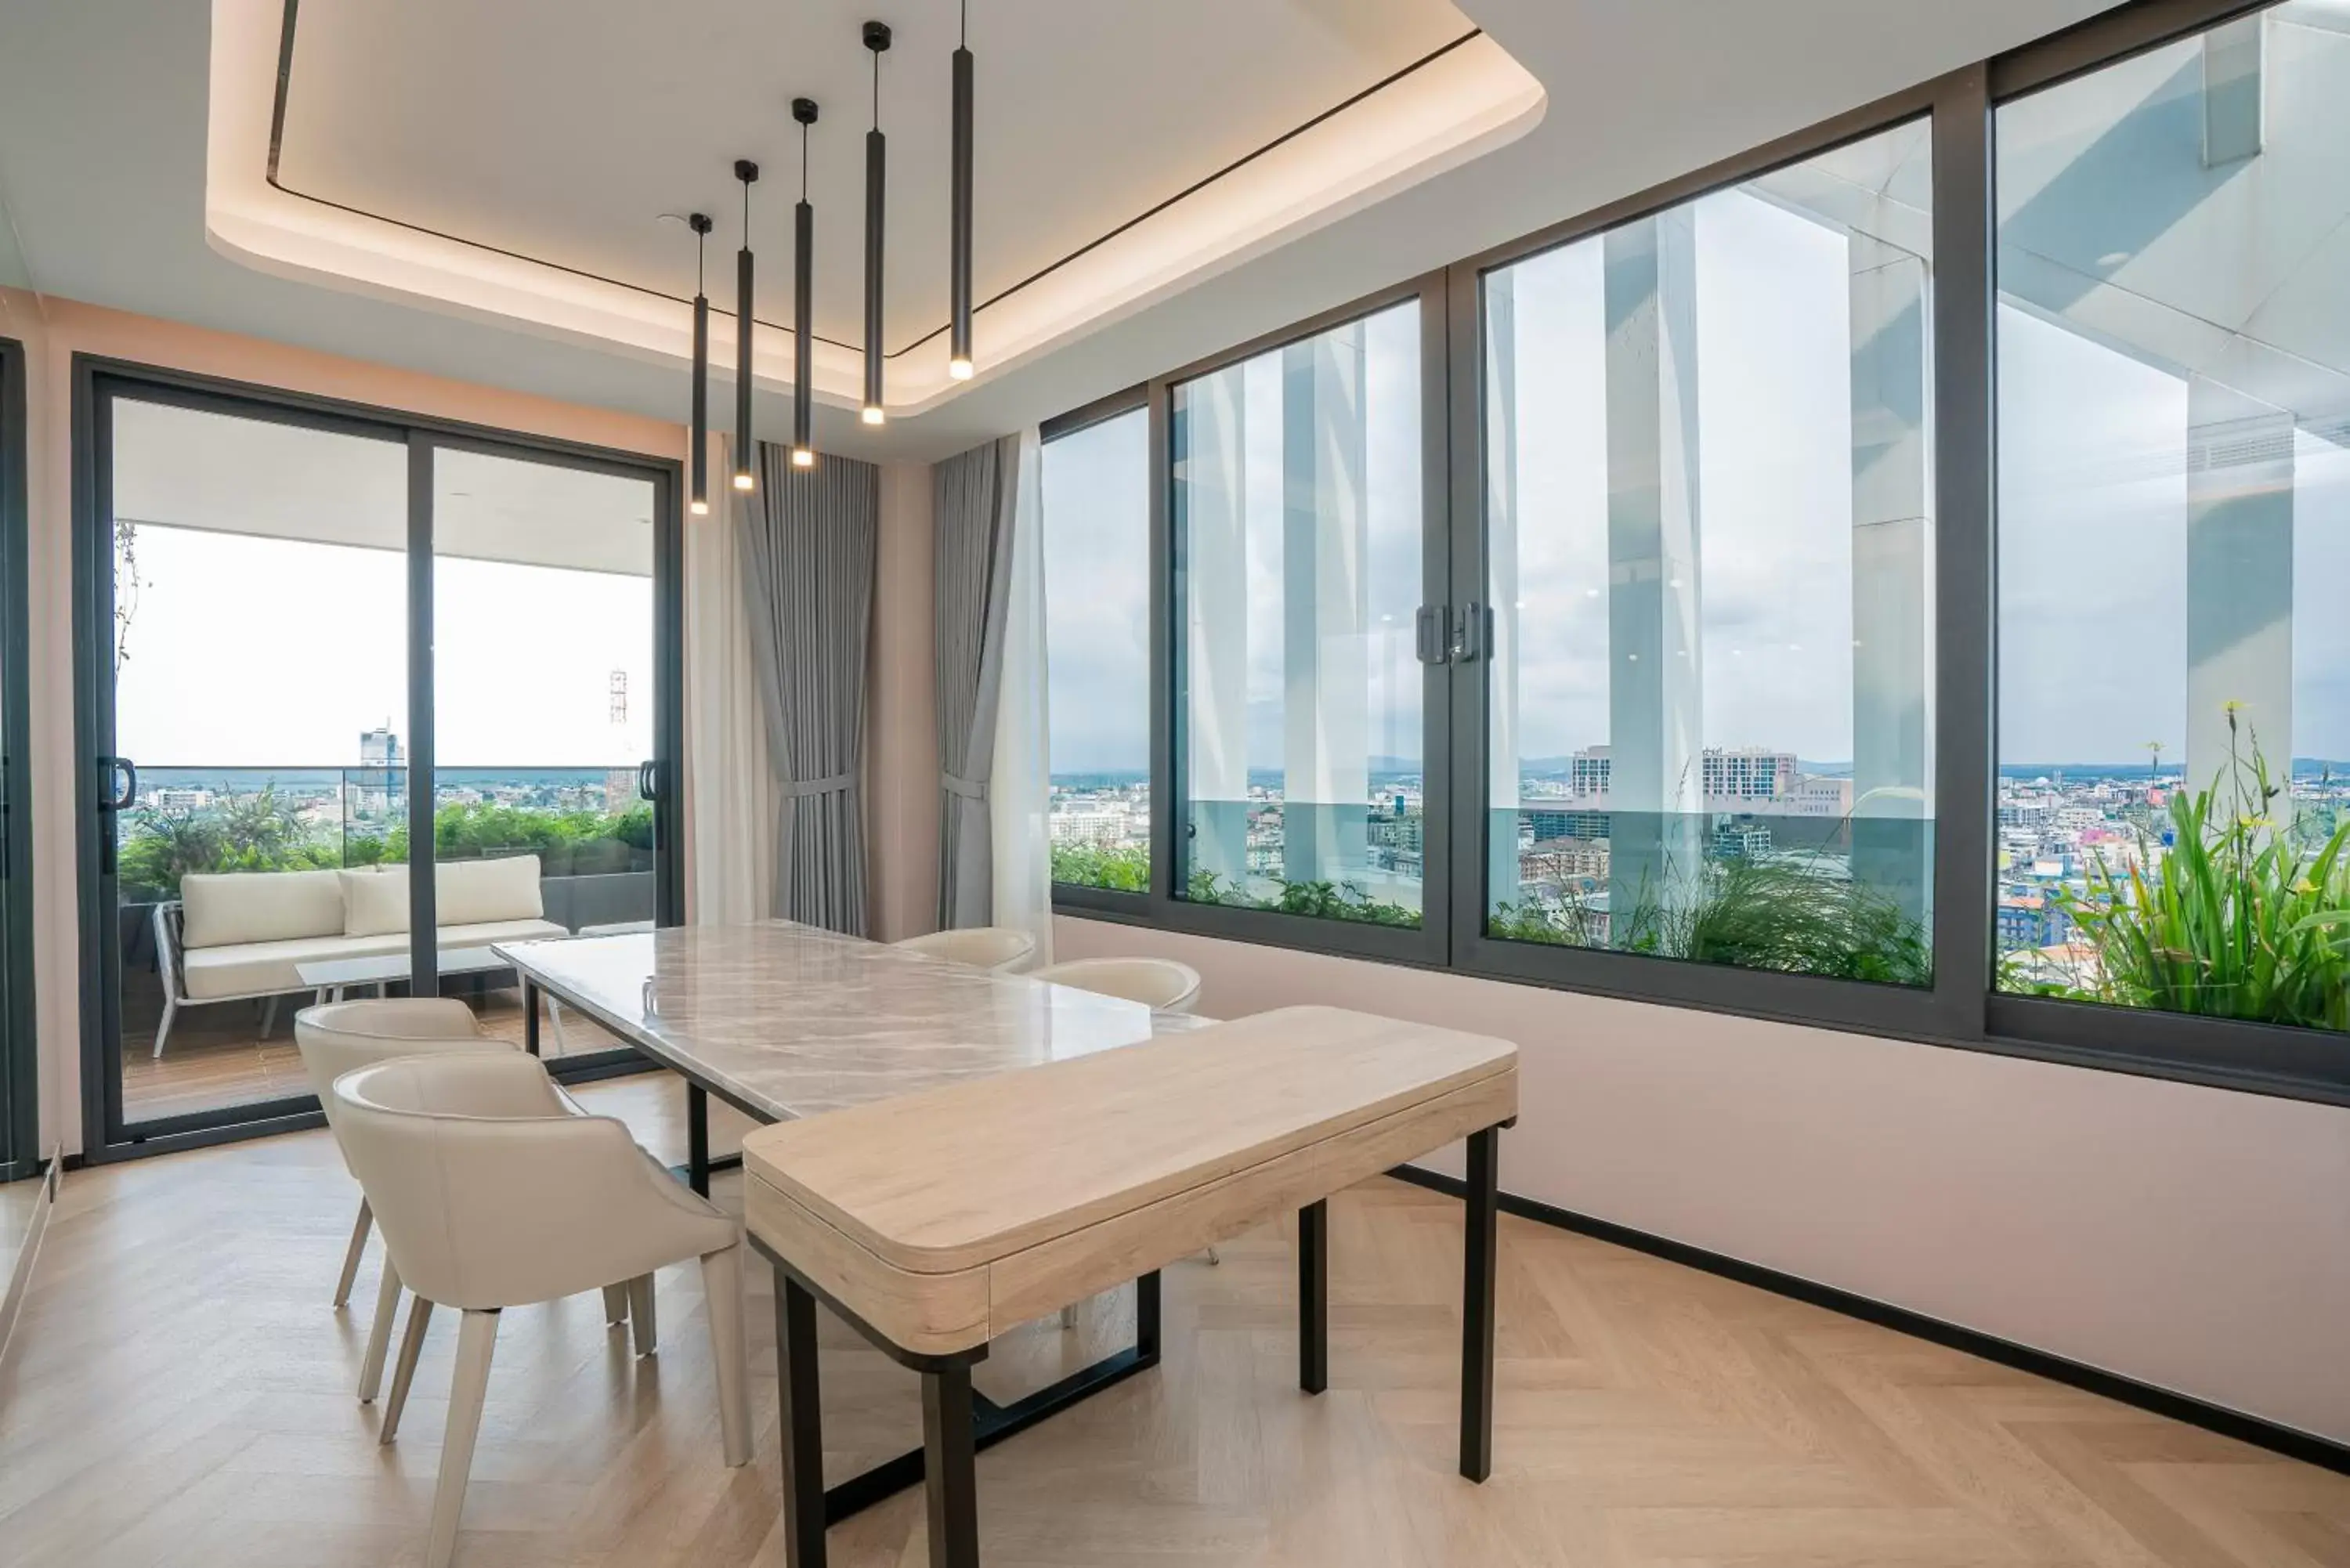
x=972, y=567
x=809, y=539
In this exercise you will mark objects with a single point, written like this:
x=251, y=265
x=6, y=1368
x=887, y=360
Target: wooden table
x=784, y=1021
x=934, y=1221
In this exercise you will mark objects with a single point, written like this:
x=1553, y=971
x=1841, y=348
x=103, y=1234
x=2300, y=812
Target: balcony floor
x=216, y=1056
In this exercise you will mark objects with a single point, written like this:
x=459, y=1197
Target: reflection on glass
x=1710, y=541
x=2173, y=793
x=260, y=670
x=1297, y=512
x=1096, y=513
x=543, y=696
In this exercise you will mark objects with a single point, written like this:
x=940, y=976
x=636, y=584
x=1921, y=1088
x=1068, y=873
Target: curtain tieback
x=970, y=789
x=835, y=784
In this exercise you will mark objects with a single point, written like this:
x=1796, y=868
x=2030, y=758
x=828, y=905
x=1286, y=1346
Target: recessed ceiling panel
x=559, y=129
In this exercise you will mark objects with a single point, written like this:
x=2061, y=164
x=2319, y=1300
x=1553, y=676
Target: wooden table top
x=958, y=1177
x=788, y=1020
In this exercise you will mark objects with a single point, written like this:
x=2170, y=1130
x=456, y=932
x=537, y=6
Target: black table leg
x=530, y=1015
x=697, y=1138
x=948, y=1452
x=1314, y=1297
x=800, y=1423
x=1146, y=1318
x=1477, y=1305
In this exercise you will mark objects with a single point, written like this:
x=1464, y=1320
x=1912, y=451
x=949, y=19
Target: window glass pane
x=1710, y=545
x=2174, y=528
x=1096, y=503
x=542, y=716
x=1297, y=512
x=260, y=653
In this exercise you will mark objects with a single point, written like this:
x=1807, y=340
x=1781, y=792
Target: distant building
x=1742, y=840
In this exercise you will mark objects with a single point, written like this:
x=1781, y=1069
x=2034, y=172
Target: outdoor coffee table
x=337, y=975
x=331, y=977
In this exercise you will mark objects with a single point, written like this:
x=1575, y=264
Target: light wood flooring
x=180, y=1393
x=217, y=1057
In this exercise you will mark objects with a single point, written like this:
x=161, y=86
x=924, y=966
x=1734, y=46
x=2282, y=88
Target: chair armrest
x=166, y=919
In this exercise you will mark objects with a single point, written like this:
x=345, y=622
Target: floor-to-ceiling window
x=1709, y=545
x=1096, y=528
x=262, y=582
x=2173, y=804
x=1299, y=517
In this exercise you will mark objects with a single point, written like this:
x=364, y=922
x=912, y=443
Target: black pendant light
x=877, y=169
x=746, y=455
x=700, y=460
x=803, y=301
x=958, y=359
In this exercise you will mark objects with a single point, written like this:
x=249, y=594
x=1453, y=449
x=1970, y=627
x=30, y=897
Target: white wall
x=2193, y=1239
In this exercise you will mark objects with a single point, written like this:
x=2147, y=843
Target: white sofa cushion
x=264, y=969
x=224, y=909
x=477, y=892
x=375, y=902
x=465, y=893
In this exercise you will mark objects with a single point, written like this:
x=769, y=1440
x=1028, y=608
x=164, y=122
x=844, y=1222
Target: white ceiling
x=103, y=119
x=389, y=100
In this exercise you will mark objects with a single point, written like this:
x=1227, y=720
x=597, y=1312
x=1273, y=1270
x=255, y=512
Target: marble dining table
x=783, y=1020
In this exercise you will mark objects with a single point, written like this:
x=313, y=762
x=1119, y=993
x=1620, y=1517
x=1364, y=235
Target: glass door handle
x=127, y=771
x=110, y=805
x=648, y=780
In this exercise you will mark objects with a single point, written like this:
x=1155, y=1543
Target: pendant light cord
x=877, y=89
x=965, y=39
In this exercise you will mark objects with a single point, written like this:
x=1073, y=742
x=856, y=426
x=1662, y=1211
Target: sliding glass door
x=543, y=706
x=294, y=617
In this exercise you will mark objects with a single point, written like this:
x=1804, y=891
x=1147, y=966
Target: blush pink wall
x=55, y=331
x=2189, y=1238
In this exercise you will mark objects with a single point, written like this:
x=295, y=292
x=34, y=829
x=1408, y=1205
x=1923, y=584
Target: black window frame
x=97, y=381
x=20, y=1073
x=1962, y=1008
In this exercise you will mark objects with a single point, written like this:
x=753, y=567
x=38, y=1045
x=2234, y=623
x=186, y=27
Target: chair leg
x=387, y=1307
x=477, y=1336
x=641, y=1314
x=268, y=1017
x=351, y=1257
x=616, y=1304
x=163, y=1030
x=722, y=1282
x=403, y=1371
x=1069, y=1315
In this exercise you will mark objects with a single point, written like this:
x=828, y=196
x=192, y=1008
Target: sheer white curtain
x=730, y=781
x=1020, y=782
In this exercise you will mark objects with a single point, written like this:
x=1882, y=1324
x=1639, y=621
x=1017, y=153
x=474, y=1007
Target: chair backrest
x=1162, y=985
x=491, y=1192
x=999, y=948
x=225, y=907
x=344, y=1036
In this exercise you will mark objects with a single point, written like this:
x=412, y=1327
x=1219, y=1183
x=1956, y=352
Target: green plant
x=1317, y=901
x=1125, y=868
x=2241, y=921
x=1785, y=915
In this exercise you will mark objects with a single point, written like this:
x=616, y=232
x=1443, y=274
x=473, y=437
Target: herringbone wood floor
x=180, y=1394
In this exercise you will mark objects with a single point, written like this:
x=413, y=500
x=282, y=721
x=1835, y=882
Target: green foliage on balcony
x=1125, y=869
x=2243, y=920
x=260, y=832
x=1315, y=900
x=1778, y=915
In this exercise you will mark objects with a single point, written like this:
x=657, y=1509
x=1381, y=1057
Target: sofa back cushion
x=222, y=908
x=375, y=901
x=465, y=893
x=477, y=892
